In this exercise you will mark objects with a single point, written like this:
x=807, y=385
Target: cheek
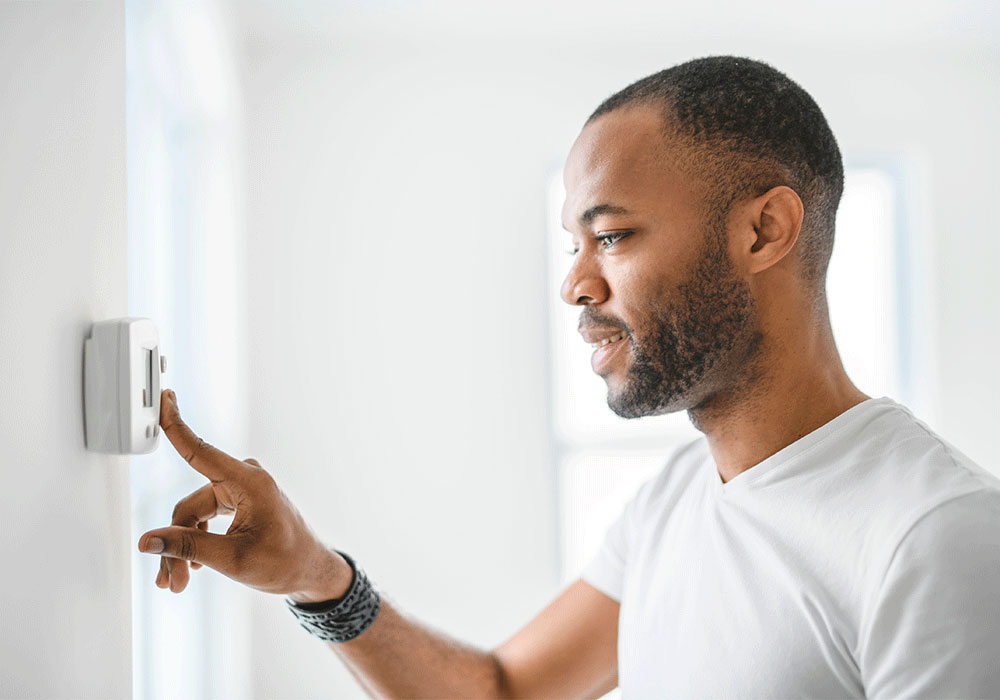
x=637, y=311
x=655, y=312
x=632, y=283
x=639, y=290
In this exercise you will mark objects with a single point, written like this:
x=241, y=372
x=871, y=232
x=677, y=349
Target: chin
x=617, y=387
x=621, y=408
x=629, y=407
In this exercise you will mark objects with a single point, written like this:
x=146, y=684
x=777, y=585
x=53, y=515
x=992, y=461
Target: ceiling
x=867, y=22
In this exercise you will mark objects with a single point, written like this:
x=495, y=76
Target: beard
x=690, y=338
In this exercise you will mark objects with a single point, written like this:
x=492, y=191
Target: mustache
x=591, y=317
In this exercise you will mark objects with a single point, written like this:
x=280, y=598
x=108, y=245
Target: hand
x=268, y=546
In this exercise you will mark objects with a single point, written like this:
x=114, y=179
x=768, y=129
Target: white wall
x=64, y=591
x=398, y=339
x=397, y=289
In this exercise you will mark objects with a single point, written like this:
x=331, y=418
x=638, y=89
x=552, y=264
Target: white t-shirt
x=862, y=560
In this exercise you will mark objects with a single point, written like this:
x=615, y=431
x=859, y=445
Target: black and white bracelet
x=341, y=619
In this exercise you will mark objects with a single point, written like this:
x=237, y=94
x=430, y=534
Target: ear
x=770, y=228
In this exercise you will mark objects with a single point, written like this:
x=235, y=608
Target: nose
x=584, y=283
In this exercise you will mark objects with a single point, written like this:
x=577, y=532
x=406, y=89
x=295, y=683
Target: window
x=184, y=273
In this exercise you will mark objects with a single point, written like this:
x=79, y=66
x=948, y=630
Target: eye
x=611, y=237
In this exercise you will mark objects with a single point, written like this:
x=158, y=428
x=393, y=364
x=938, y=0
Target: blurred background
x=343, y=217
x=361, y=205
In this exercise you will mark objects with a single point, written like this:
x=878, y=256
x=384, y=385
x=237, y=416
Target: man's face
x=652, y=273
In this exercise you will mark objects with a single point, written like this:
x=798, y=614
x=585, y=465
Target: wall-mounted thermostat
x=121, y=386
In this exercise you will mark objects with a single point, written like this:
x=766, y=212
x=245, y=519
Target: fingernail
x=154, y=545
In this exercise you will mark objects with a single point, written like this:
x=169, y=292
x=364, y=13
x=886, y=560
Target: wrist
x=340, y=619
x=332, y=582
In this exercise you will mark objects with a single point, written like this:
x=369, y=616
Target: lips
x=607, y=344
x=613, y=339
x=598, y=336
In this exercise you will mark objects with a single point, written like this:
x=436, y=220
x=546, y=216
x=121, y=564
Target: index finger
x=210, y=461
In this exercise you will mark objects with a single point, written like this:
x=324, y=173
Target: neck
x=798, y=384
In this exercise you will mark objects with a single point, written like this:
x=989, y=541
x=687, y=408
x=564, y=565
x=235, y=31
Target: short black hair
x=749, y=128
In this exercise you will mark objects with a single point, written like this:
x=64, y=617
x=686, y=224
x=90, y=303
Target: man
x=816, y=542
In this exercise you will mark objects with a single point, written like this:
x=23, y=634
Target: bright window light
x=862, y=284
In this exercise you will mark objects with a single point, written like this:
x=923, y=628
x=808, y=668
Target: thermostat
x=121, y=386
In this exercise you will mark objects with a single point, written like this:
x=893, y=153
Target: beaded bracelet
x=341, y=619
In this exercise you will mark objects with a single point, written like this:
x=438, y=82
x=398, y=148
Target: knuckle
x=199, y=448
x=262, y=478
x=182, y=515
x=186, y=547
x=170, y=420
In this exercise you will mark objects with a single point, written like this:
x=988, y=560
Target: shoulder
x=929, y=628
x=960, y=531
x=887, y=469
x=915, y=440
x=972, y=517
x=925, y=510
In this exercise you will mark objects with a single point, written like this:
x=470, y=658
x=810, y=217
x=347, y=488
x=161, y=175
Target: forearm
x=397, y=657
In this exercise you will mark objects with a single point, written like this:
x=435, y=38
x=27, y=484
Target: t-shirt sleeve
x=606, y=570
x=933, y=628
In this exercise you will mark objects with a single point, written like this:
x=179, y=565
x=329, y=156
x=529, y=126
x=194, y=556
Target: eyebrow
x=597, y=210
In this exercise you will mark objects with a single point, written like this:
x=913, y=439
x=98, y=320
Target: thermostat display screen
x=147, y=392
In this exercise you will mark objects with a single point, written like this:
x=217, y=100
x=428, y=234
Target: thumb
x=190, y=543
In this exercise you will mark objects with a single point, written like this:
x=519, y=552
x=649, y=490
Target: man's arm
x=569, y=650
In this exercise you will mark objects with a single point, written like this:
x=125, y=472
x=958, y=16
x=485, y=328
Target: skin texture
x=705, y=322
x=719, y=322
